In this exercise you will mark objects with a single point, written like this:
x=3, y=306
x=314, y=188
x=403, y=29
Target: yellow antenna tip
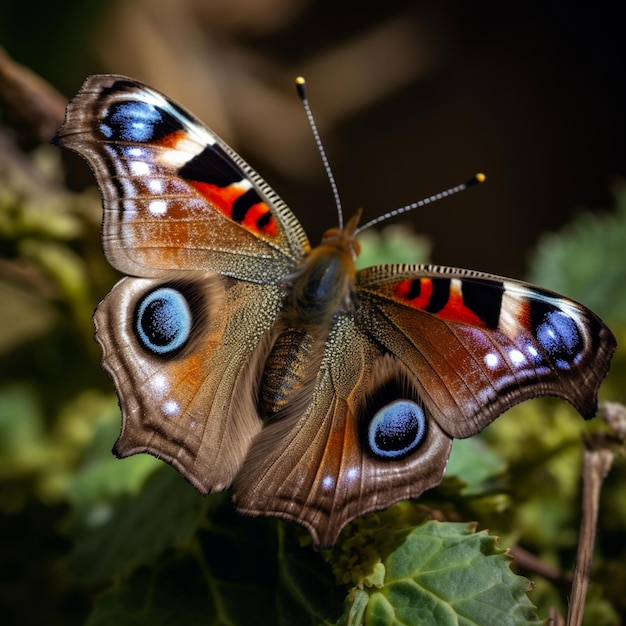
x=301, y=88
x=476, y=179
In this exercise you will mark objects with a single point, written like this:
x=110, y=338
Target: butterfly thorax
x=321, y=288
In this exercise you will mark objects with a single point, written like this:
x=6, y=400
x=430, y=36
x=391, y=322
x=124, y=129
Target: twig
x=34, y=108
x=599, y=453
x=528, y=562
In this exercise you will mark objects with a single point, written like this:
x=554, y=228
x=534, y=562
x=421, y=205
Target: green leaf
x=233, y=571
x=305, y=593
x=174, y=592
x=477, y=465
x=22, y=430
x=180, y=590
x=101, y=477
x=136, y=529
x=445, y=573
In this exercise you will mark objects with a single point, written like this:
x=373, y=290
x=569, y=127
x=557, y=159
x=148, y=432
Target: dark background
x=411, y=98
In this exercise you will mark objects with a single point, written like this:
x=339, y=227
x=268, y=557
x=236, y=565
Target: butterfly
x=248, y=359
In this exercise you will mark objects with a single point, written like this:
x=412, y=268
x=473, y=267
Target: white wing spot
x=160, y=384
x=155, y=185
x=532, y=351
x=158, y=207
x=139, y=168
x=353, y=473
x=184, y=151
x=170, y=408
x=517, y=358
x=491, y=360
x=328, y=482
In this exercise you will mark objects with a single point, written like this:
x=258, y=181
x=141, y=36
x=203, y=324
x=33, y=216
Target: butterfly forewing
x=480, y=343
x=175, y=196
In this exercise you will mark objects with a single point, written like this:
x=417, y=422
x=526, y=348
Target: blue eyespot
x=560, y=338
x=131, y=121
x=163, y=321
x=396, y=429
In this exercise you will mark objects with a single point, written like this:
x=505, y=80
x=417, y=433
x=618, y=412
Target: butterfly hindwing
x=188, y=394
x=344, y=455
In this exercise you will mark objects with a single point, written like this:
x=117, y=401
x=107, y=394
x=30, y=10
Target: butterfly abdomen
x=286, y=369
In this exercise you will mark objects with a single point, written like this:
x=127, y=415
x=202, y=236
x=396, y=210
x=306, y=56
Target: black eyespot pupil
x=397, y=429
x=159, y=322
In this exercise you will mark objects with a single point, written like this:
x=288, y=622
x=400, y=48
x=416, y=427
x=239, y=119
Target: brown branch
x=600, y=449
x=529, y=563
x=34, y=109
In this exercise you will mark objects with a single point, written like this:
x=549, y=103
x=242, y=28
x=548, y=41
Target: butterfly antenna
x=301, y=87
x=475, y=180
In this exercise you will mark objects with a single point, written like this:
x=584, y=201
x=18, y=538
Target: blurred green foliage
x=587, y=260
x=77, y=521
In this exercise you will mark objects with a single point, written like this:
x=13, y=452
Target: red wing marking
x=455, y=309
x=442, y=298
x=405, y=290
x=256, y=218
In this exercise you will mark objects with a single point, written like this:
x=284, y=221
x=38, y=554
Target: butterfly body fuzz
x=321, y=288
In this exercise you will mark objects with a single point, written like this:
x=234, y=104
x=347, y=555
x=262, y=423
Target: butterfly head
x=344, y=239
